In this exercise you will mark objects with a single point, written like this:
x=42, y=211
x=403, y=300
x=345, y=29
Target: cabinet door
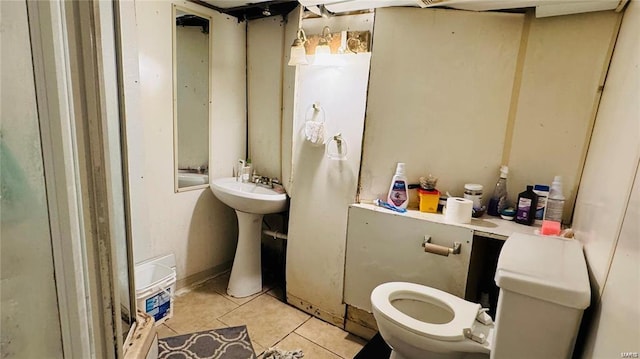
x=384, y=247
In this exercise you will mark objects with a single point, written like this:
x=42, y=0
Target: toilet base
x=407, y=345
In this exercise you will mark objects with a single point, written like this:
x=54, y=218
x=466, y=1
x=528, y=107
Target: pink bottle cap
x=550, y=228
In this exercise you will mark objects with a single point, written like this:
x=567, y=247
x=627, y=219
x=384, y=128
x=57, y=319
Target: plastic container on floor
x=155, y=288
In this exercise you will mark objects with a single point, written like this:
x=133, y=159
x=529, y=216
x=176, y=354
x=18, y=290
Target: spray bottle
x=498, y=201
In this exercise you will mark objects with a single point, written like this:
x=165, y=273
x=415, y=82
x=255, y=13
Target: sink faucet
x=265, y=181
x=262, y=180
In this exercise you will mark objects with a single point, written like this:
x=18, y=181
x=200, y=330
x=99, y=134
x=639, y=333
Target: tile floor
x=270, y=321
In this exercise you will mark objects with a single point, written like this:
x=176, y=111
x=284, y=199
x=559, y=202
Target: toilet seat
x=464, y=312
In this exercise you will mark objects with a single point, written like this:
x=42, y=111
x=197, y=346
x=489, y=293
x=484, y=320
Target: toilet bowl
x=544, y=290
x=422, y=322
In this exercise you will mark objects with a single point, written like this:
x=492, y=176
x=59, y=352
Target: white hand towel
x=314, y=132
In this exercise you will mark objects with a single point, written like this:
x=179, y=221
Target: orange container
x=429, y=200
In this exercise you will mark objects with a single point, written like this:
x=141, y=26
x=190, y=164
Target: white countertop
x=485, y=226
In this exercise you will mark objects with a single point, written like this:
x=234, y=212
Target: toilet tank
x=544, y=289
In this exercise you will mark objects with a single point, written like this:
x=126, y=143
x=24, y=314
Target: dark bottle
x=527, y=206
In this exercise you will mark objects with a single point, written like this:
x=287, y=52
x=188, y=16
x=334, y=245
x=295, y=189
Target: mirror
x=191, y=98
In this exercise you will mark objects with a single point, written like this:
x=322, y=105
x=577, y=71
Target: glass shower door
x=29, y=314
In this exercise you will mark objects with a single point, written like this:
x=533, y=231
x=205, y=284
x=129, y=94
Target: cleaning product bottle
x=498, y=201
x=526, y=207
x=543, y=192
x=399, y=189
x=553, y=212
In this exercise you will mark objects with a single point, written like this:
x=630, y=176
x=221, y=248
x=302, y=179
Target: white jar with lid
x=473, y=191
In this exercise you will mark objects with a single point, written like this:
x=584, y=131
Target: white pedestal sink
x=251, y=203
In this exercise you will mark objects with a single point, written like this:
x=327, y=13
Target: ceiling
x=249, y=10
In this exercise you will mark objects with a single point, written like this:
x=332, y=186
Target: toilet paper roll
x=436, y=249
x=458, y=210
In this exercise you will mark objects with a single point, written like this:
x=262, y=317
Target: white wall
x=615, y=327
x=134, y=128
x=565, y=64
x=456, y=94
x=288, y=95
x=28, y=303
x=271, y=86
x=613, y=153
x=265, y=71
x=322, y=188
x=199, y=229
x=276, y=150
x=608, y=203
x=439, y=97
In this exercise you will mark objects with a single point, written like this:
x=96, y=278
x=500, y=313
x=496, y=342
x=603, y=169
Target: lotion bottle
x=399, y=190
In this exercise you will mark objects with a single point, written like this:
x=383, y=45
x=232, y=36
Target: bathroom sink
x=248, y=197
x=251, y=202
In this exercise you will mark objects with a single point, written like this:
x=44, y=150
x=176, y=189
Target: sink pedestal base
x=246, y=272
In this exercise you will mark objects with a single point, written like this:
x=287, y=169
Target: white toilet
x=544, y=289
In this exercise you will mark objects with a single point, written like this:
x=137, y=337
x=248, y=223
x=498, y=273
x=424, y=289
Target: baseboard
x=359, y=330
x=185, y=284
x=317, y=312
x=360, y=322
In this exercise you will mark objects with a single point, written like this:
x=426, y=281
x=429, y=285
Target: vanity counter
x=485, y=226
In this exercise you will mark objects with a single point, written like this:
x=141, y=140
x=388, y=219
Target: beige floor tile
x=310, y=349
x=219, y=285
x=278, y=293
x=164, y=331
x=267, y=319
x=257, y=348
x=198, y=310
x=330, y=337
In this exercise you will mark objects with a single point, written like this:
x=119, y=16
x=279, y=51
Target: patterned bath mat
x=225, y=343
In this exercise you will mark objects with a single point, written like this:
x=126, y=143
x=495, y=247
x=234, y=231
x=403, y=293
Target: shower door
x=65, y=266
x=29, y=304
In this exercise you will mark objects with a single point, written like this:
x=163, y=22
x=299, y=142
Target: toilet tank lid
x=547, y=268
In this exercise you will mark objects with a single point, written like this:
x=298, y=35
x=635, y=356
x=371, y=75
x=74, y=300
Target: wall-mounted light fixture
x=323, y=51
x=298, y=54
x=323, y=43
